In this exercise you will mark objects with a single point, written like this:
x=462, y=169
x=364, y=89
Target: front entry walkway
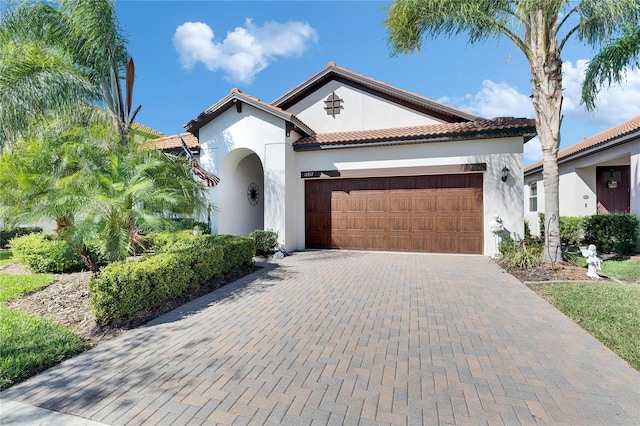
x=337, y=337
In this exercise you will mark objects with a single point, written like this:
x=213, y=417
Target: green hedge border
x=183, y=262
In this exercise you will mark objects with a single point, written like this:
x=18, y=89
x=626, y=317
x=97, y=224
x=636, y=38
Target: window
x=533, y=196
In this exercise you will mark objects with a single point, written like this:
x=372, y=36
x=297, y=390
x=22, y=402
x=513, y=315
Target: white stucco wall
x=361, y=111
x=225, y=142
x=502, y=198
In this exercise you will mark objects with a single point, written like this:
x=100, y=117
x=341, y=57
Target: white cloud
x=246, y=50
x=497, y=100
x=532, y=151
x=613, y=105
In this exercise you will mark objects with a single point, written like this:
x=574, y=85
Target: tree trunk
x=89, y=259
x=546, y=80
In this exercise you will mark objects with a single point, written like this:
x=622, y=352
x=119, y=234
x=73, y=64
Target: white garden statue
x=497, y=228
x=594, y=264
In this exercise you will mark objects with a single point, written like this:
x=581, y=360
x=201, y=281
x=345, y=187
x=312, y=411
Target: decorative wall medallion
x=253, y=195
x=333, y=105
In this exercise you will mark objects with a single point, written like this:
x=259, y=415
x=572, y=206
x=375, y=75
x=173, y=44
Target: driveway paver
x=343, y=337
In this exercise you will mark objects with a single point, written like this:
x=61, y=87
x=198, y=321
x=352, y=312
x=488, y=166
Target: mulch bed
x=66, y=301
x=560, y=271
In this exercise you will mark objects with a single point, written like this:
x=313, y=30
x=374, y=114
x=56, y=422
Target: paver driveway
x=329, y=337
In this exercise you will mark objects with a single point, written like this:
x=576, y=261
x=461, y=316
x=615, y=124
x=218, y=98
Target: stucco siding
x=229, y=139
x=360, y=111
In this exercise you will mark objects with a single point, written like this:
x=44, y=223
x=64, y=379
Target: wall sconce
x=505, y=174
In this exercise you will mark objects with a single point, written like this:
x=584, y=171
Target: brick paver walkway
x=332, y=337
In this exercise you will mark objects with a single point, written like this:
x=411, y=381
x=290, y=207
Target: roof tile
x=472, y=129
x=173, y=141
x=610, y=134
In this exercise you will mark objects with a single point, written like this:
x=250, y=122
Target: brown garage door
x=435, y=214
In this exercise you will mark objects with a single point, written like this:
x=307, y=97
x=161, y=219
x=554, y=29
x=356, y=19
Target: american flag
x=211, y=179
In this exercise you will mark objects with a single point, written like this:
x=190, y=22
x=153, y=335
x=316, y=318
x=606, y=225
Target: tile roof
x=173, y=142
x=332, y=70
x=596, y=141
x=146, y=129
x=497, y=127
x=231, y=99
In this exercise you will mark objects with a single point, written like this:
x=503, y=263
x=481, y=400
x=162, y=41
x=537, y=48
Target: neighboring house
x=600, y=174
x=345, y=161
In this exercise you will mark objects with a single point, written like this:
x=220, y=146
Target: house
x=344, y=161
x=600, y=174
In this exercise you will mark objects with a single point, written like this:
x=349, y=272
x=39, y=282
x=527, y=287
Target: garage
x=434, y=214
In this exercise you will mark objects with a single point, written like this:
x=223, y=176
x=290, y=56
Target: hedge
x=611, y=233
x=45, y=253
x=7, y=235
x=123, y=288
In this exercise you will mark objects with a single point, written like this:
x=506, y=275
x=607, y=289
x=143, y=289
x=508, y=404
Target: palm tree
x=540, y=29
x=58, y=59
x=64, y=63
x=102, y=193
x=129, y=191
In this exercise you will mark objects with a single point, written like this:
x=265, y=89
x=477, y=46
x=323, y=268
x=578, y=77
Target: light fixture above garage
x=505, y=173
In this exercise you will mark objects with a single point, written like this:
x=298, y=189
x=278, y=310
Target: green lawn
x=14, y=285
x=626, y=270
x=609, y=311
x=28, y=343
x=6, y=257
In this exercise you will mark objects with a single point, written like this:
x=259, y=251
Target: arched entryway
x=241, y=200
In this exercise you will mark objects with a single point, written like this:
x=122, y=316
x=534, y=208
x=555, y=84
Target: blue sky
x=189, y=54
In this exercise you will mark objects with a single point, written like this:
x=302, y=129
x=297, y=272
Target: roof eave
x=589, y=151
x=318, y=79
x=229, y=101
x=403, y=141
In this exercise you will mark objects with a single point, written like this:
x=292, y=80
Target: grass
x=29, y=343
x=621, y=269
x=609, y=311
x=14, y=285
x=626, y=270
x=6, y=257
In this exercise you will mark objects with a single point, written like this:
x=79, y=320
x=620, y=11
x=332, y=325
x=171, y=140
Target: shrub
x=161, y=240
x=184, y=262
x=571, y=233
x=571, y=229
x=238, y=252
x=266, y=241
x=45, y=253
x=521, y=254
x=541, y=224
x=182, y=224
x=7, y=235
x=612, y=233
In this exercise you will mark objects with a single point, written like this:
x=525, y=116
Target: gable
x=339, y=106
x=419, y=103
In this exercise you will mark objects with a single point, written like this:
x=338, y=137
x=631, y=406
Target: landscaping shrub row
x=611, y=233
x=45, y=253
x=7, y=235
x=183, y=261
